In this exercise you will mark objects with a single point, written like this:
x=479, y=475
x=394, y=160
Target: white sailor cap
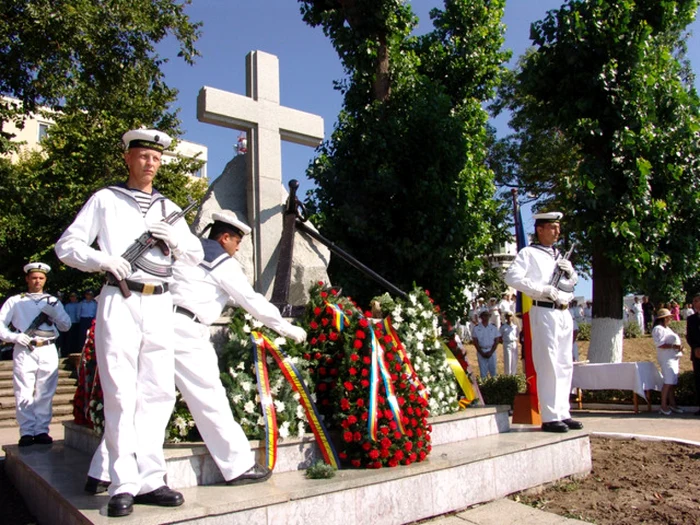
x=146, y=138
x=228, y=217
x=37, y=267
x=552, y=216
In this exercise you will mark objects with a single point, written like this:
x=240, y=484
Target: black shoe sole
x=158, y=503
x=112, y=513
x=248, y=481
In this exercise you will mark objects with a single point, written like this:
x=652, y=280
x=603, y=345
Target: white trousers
x=197, y=378
x=35, y=376
x=552, y=332
x=510, y=358
x=133, y=345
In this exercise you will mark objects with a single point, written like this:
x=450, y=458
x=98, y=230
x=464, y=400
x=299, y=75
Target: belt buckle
x=148, y=289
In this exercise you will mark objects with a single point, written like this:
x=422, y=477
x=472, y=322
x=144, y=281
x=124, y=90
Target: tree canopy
x=92, y=67
x=606, y=123
x=402, y=184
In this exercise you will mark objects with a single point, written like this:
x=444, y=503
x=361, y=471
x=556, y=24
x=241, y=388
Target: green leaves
x=92, y=65
x=606, y=80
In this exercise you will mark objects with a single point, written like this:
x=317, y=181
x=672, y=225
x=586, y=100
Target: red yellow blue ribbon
x=269, y=416
x=379, y=370
x=340, y=320
x=401, y=351
x=292, y=375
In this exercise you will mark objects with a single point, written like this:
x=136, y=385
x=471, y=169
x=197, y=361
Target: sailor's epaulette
x=214, y=254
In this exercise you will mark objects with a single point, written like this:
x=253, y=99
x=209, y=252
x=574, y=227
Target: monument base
x=488, y=461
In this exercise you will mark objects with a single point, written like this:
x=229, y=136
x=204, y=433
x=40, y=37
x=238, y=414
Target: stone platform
x=475, y=458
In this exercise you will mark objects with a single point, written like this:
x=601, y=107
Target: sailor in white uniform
x=200, y=293
x=134, y=335
x=552, y=325
x=37, y=318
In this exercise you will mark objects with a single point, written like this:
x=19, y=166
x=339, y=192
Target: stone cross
x=267, y=123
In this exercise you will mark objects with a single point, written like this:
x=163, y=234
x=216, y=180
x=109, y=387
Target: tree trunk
x=606, y=328
x=382, y=83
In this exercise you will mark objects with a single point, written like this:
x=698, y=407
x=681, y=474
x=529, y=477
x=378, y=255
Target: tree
x=92, y=66
x=606, y=121
x=402, y=184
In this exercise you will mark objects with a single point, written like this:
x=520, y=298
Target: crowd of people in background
x=490, y=324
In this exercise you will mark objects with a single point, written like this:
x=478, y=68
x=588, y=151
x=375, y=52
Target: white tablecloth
x=639, y=376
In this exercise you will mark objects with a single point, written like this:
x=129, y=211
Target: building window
x=43, y=131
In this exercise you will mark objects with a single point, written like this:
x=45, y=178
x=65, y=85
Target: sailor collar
x=554, y=252
x=124, y=190
x=214, y=254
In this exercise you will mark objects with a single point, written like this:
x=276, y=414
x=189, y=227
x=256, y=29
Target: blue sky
x=308, y=67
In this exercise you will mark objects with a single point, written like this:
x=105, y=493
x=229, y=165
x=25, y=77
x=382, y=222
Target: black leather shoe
x=554, y=426
x=573, y=424
x=25, y=441
x=254, y=474
x=120, y=505
x=96, y=486
x=43, y=439
x=162, y=496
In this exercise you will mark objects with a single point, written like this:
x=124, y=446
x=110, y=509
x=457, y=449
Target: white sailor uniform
x=35, y=368
x=552, y=327
x=134, y=335
x=199, y=294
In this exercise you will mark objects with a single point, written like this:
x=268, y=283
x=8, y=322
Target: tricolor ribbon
x=401, y=351
x=340, y=320
x=291, y=373
x=379, y=370
x=459, y=368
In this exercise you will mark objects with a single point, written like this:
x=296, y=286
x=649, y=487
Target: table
x=640, y=377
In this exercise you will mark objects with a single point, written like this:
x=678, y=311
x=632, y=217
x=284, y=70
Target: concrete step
x=58, y=400
x=63, y=362
x=455, y=476
x=7, y=415
x=62, y=418
x=190, y=465
x=6, y=375
x=68, y=387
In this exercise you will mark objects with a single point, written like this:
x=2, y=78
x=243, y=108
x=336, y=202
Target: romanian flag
x=522, y=306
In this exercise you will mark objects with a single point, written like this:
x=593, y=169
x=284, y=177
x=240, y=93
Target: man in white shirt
x=637, y=314
x=134, y=328
x=485, y=337
x=531, y=273
x=509, y=338
x=37, y=318
x=200, y=294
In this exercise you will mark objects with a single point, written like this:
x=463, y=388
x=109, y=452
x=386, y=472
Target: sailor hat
x=228, y=217
x=552, y=216
x=37, y=267
x=146, y=138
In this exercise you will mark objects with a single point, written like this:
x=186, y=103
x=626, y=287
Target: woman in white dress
x=668, y=353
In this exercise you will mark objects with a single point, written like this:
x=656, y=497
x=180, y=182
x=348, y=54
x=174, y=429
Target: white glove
x=117, y=266
x=551, y=293
x=566, y=267
x=296, y=334
x=50, y=310
x=23, y=339
x=165, y=232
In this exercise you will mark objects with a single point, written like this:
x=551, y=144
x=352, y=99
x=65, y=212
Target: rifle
x=36, y=323
x=145, y=242
x=559, y=273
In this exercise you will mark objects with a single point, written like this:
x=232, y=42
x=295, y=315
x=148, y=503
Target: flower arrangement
x=382, y=420
x=238, y=378
x=424, y=332
x=88, y=408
